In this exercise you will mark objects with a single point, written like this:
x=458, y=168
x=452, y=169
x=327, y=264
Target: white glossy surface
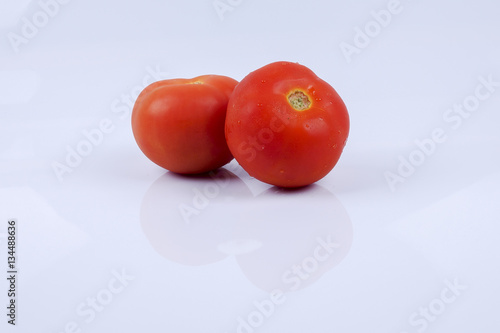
x=348, y=254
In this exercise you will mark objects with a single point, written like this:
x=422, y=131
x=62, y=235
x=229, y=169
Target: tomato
x=285, y=126
x=179, y=123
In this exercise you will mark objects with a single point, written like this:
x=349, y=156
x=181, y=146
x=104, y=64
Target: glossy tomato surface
x=285, y=126
x=179, y=123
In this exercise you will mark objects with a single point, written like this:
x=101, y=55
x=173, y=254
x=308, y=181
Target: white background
x=420, y=255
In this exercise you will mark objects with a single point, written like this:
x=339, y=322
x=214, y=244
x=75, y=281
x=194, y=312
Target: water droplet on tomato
x=260, y=104
x=318, y=99
x=263, y=81
x=282, y=171
x=239, y=122
x=334, y=146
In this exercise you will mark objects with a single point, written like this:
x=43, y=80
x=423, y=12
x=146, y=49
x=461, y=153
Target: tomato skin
x=276, y=143
x=179, y=123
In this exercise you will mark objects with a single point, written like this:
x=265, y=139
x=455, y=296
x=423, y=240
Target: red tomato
x=285, y=126
x=179, y=123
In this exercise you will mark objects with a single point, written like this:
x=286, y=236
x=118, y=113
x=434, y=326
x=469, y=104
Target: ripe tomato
x=179, y=123
x=285, y=126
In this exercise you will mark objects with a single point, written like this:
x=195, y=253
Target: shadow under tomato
x=274, y=236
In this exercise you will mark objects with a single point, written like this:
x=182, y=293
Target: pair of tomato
x=283, y=124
